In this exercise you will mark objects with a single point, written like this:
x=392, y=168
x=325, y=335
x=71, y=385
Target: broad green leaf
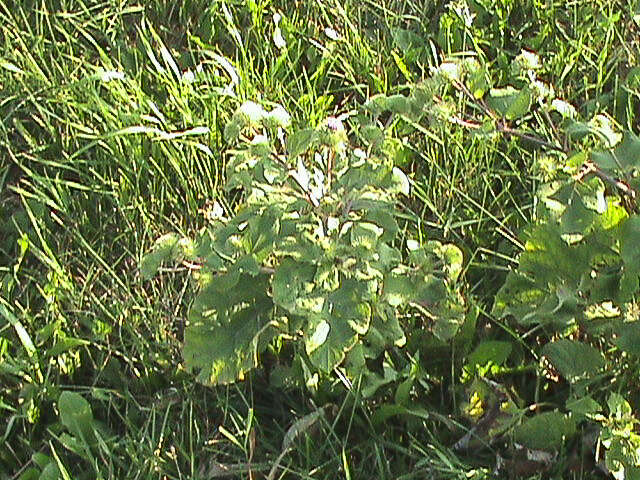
x=403, y=392
x=605, y=160
x=573, y=359
x=628, y=338
x=225, y=282
x=449, y=317
x=228, y=329
x=520, y=296
x=164, y=249
x=300, y=141
x=629, y=241
x=293, y=288
x=365, y=235
x=50, y=472
x=30, y=474
x=41, y=459
x=478, y=83
x=520, y=106
x=545, y=431
x=627, y=152
x=385, y=220
x=317, y=335
x=429, y=292
x=385, y=331
x=372, y=381
x=246, y=264
x=405, y=39
x=263, y=232
x=399, y=153
x=576, y=218
x=583, y=406
x=550, y=260
x=451, y=257
x=399, y=182
x=398, y=290
x=619, y=408
x=614, y=214
x=223, y=354
x=64, y=344
x=327, y=339
x=494, y=351
x=625, y=156
x=509, y=102
x=384, y=412
x=388, y=257
x=76, y=416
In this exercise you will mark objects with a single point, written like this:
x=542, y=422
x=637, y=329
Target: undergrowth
x=112, y=134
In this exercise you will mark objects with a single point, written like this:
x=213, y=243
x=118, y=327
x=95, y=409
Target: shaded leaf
x=384, y=412
x=583, y=406
x=573, y=359
x=628, y=338
x=493, y=351
x=300, y=141
x=164, y=249
x=76, y=416
x=545, y=431
x=509, y=102
x=327, y=339
x=228, y=329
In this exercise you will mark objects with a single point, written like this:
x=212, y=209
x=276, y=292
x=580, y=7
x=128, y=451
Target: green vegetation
x=331, y=239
